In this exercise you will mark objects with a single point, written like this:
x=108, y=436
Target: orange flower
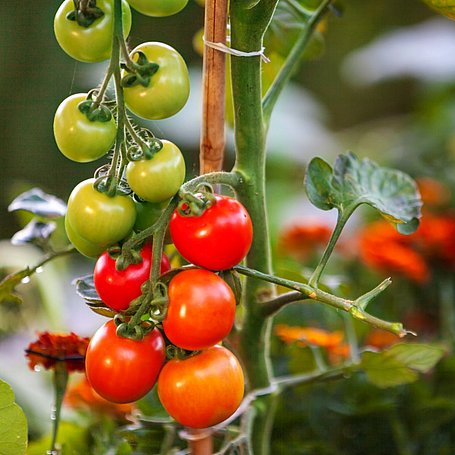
x=383, y=248
x=381, y=339
x=432, y=192
x=436, y=238
x=82, y=396
x=303, y=239
x=305, y=336
x=51, y=348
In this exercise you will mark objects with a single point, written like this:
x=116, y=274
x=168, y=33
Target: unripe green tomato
x=147, y=213
x=84, y=247
x=93, y=43
x=169, y=87
x=158, y=8
x=157, y=179
x=79, y=138
x=97, y=218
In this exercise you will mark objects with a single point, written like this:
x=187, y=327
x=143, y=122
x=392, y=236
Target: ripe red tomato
x=118, y=288
x=201, y=309
x=218, y=239
x=202, y=390
x=120, y=369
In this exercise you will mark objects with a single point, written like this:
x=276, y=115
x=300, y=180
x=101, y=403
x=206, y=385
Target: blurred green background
x=36, y=75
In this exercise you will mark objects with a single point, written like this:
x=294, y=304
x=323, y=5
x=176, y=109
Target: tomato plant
x=120, y=369
x=218, y=239
x=117, y=288
x=94, y=42
x=160, y=177
x=201, y=309
x=169, y=87
x=158, y=8
x=97, y=218
x=79, y=138
x=202, y=390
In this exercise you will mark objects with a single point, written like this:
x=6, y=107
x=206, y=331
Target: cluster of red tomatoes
x=206, y=386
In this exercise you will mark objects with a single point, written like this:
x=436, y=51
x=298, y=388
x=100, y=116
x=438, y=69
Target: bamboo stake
x=213, y=84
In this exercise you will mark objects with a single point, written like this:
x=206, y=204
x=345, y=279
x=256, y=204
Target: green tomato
x=168, y=89
x=158, y=8
x=147, y=213
x=83, y=246
x=78, y=138
x=93, y=43
x=160, y=177
x=97, y=218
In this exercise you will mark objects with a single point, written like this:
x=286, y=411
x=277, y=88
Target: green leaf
x=419, y=357
x=8, y=284
x=444, y=7
x=35, y=232
x=352, y=182
x=39, y=203
x=13, y=424
x=85, y=288
x=400, y=364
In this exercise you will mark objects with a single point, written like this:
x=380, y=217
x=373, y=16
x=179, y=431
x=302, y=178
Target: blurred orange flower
x=383, y=248
x=380, y=339
x=81, y=396
x=432, y=192
x=333, y=342
x=300, y=240
x=51, y=348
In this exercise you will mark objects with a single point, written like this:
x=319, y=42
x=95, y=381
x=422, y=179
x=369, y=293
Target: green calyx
x=139, y=72
x=95, y=112
x=195, y=204
x=85, y=12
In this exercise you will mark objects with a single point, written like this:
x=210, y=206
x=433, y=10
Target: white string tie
x=229, y=50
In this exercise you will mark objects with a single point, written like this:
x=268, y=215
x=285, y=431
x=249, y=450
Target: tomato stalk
x=247, y=29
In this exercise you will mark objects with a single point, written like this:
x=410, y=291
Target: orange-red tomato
x=123, y=370
x=202, y=390
x=201, y=309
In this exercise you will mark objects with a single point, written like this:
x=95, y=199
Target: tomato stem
x=292, y=60
x=306, y=291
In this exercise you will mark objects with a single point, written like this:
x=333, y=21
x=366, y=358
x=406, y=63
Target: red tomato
x=201, y=310
x=202, y=390
x=123, y=370
x=218, y=239
x=118, y=288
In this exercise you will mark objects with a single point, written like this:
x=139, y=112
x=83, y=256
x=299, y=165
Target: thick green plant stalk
x=247, y=29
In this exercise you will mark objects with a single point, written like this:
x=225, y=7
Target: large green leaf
x=352, y=182
x=444, y=7
x=13, y=424
x=400, y=364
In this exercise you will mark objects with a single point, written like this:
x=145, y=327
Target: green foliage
x=13, y=425
x=353, y=182
x=400, y=364
x=444, y=7
x=39, y=203
x=8, y=286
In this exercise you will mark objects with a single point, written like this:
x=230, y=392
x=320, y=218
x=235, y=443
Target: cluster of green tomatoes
x=206, y=385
